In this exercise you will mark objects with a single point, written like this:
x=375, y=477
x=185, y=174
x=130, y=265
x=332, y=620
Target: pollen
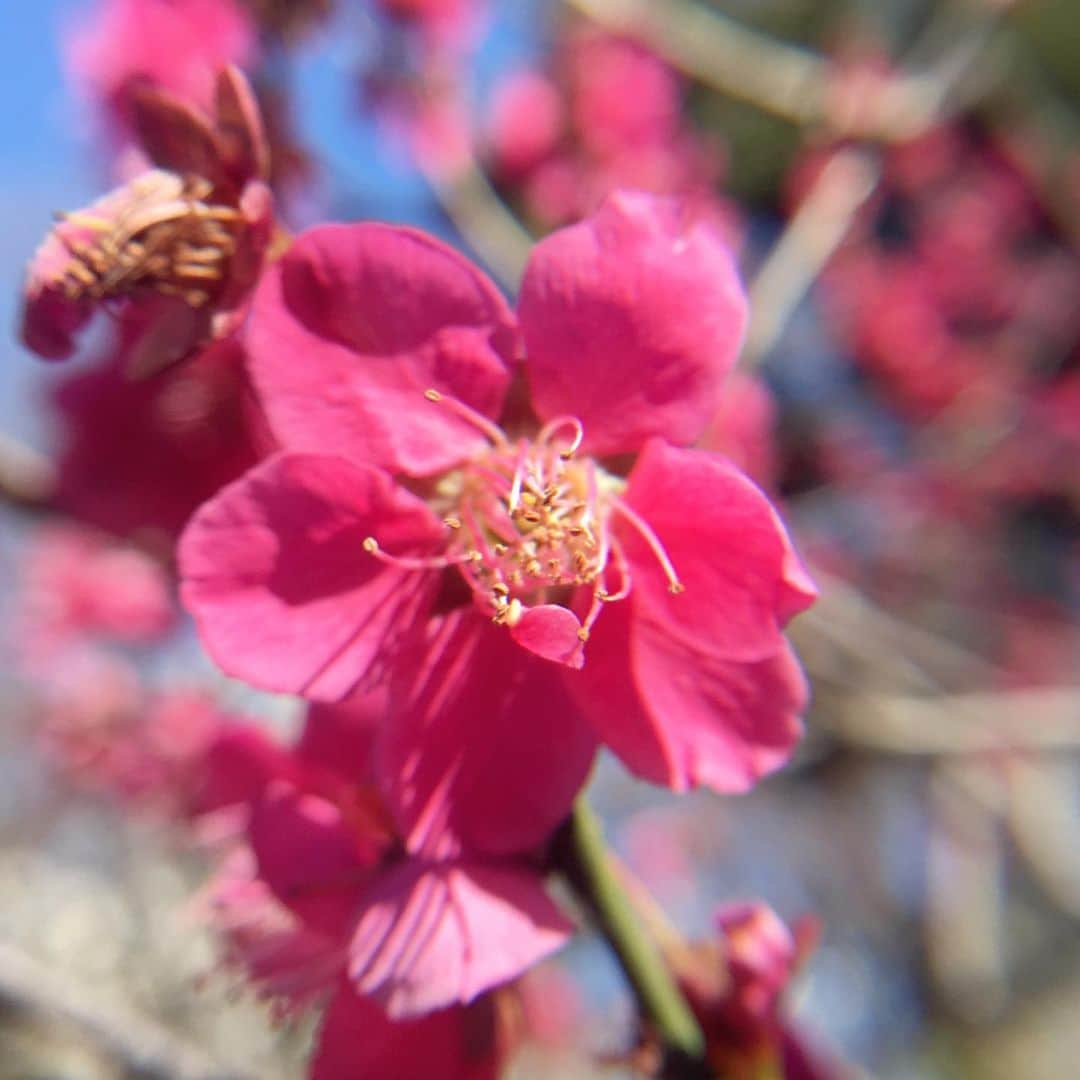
x=528, y=522
x=161, y=232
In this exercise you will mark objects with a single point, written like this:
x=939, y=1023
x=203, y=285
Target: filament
x=675, y=586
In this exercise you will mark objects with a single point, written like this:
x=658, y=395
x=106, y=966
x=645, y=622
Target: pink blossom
x=176, y=45
x=647, y=612
x=358, y=1039
x=561, y=141
x=182, y=244
x=418, y=935
x=148, y=749
x=736, y=985
x=136, y=457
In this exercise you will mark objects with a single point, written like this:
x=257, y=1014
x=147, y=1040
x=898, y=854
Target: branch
x=27, y=478
x=787, y=80
x=582, y=857
x=806, y=245
x=977, y=722
x=481, y=217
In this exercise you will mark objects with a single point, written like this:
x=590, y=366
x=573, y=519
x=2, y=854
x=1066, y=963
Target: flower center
x=529, y=517
x=529, y=521
x=163, y=235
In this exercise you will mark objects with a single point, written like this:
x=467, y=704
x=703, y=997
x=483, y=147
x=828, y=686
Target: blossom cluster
x=479, y=540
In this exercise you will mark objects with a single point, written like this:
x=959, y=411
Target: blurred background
x=902, y=182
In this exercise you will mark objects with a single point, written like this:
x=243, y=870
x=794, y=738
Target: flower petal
x=486, y=750
x=631, y=320
x=286, y=598
x=358, y=1039
x=355, y=323
x=727, y=545
x=435, y=934
x=683, y=717
x=315, y=862
x=550, y=631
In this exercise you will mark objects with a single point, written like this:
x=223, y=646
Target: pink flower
x=518, y=594
x=136, y=457
x=418, y=935
x=736, y=986
x=358, y=1039
x=176, y=45
x=182, y=243
x=108, y=733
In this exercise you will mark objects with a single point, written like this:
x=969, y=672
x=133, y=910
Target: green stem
x=582, y=856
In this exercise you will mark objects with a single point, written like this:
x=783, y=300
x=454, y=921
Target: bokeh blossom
x=175, y=45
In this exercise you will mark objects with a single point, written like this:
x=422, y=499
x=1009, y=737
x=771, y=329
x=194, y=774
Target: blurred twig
x=784, y=79
x=977, y=722
x=27, y=478
x=485, y=222
x=809, y=240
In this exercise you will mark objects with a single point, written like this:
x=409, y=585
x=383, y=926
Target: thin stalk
x=582, y=856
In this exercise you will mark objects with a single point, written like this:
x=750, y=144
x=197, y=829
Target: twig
x=1043, y=816
x=485, y=222
x=580, y=853
x=783, y=79
x=965, y=907
x=960, y=724
x=27, y=478
x=808, y=242
x=914, y=659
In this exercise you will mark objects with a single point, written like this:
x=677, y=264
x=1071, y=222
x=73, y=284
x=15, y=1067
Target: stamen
x=552, y=427
x=515, y=487
x=675, y=586
x=405, y=562
x=618, y=559
x=494, y=433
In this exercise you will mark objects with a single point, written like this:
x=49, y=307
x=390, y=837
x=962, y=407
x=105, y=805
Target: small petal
x=340, y=738
x=315, y=862
x=357, y=1039
x=173, y=134
x=355, y=323
x=239, y=127
x=683, y=717
x=432, y=935
x=277, y=578
x=486, y=751
x=728, y=548
x=631, y=321
x=238, y=767
x=550, y=631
